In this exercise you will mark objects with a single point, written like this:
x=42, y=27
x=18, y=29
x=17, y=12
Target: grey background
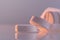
x=19, y=12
